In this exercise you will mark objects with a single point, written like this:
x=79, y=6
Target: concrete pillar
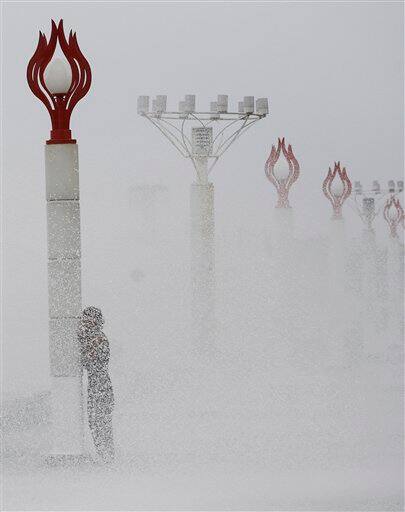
x=282, y=297
x=346, y=341
x=64, y=287
x=337, y=256
x=202, y=263
x=334, y=307
x=395, y=268
x=370, y=298
x=283, y=225
x=283, y=248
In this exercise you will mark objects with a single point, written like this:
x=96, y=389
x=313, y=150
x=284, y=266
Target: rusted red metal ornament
x=393, y=221
x=337, y=200
x=61, y=105
x=282, y=185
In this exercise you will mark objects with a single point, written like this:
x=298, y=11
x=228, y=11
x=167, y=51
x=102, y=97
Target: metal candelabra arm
x=201, y=144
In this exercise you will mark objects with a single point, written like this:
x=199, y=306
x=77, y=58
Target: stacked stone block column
x=64, y=286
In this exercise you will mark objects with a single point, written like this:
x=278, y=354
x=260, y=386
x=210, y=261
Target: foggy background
x=333, y=73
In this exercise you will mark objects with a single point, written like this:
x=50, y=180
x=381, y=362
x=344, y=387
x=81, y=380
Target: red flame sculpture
x=282, y=185
x=393, y=221
x=337, y=197
x=59, y=105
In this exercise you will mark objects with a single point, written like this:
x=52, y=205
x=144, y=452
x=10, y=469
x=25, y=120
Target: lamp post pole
x=202, y=256
x=60, y=84
x=211, y=133
x=394, y=216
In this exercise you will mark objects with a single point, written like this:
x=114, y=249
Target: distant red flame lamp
x=337, y=187
x=282, y=172
x=59, y=83
x=394, y=215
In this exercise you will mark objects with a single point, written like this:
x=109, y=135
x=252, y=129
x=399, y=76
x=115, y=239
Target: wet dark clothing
x=95, y=353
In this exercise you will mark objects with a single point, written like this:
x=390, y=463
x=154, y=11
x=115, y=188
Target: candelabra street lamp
x=203, y=137
x=60, y=83
x=199, y=142
x=368, y=202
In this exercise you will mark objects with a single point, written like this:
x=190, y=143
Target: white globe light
x=281, y=169
x=392, y=213
x=58, y=76
x=337, y=188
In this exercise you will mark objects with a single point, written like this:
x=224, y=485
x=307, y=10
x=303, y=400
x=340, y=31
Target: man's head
x=92, y=316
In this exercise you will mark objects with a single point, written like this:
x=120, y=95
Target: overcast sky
x=333, y=73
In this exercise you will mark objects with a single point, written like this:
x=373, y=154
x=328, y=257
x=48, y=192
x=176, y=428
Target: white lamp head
x=161, y=102
x=190, y=103
x=249, y=103
x=281, y=169
x=358, y=189
x=262, y=106
x=376, y=187
x=222, y=103
x=143, y=104
x=58, y=76
x=337, y=187
x=182, y=109
x=214, y=110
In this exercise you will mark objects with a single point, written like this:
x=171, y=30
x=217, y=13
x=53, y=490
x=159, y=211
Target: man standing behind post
x=95, y=354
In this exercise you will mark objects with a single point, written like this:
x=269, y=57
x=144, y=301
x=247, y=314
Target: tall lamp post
x=60, y=84
x=203, y=137
x=394, y=216
x=282, y=170
x=337, y=187
x=369, y=202
x=374, y=264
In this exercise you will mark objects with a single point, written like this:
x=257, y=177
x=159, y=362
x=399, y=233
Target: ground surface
x=211, y=487
x=229, y=438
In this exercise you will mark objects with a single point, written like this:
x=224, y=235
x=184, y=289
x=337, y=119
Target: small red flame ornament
x=59, y=104
x=394, y=215
x=337, y=187
x=285, y=177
